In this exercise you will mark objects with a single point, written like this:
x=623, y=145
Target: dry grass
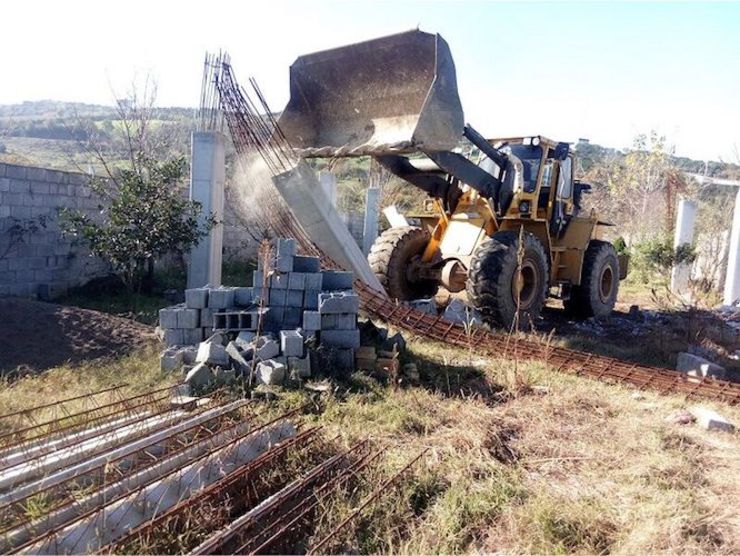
x=561, y=464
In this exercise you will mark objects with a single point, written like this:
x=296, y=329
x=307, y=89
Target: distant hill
x=49, y=133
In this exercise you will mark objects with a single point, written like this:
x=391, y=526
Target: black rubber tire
x=493, y=270
x=596, y=295
x=389, y=259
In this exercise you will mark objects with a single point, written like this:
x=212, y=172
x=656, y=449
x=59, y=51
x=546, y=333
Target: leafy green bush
x=657, y=255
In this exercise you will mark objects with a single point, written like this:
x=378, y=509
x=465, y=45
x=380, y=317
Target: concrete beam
x=684, y=235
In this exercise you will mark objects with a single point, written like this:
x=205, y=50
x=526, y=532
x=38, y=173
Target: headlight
x=524, y=207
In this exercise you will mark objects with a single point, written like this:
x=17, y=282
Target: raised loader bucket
x=389, y=95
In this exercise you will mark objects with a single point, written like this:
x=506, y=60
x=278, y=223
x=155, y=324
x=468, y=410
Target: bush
x=657, y=255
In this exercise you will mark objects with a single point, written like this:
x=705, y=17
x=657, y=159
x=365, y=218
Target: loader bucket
x=390, y=95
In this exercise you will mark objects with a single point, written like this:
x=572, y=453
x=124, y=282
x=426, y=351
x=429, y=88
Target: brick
x=13, y=171
x=311, y=299
x=212, y=354
x=336, y=280
x=36, y=174
x=168, y=317
x=286, y=247
x=299, y=366
x=338, y=303
x=243, y=296
x=20, y=212
x=39, y=188
x=21, y=187
x=196, y=298
x=188, y=318
x=294, y=298
x=340, y=338
x=4, y=184
x=278, y=297
x=4, y=211
x=291, y=343
x=297, y=281
x=313, y=281
x=306, y=264
x=220, y=298
x=311, y=321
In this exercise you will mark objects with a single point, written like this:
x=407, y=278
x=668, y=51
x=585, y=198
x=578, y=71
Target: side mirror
x=561, y=151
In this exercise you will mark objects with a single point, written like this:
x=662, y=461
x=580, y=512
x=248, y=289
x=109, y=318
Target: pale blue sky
x=606, y=71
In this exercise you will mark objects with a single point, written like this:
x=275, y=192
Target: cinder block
x=188, y=318
x=311, y=321
x=299, y=366
x=313, y=281
x=294, y=298
x=168, y=316
x=196, y=298
x=173, y=337
x=279, y=281
x=345, y=321
x=206, y=317
x=341, y=302
x=266, y=348
x=278, y=298
x=291, y=343
x=284, y=264
x=306, y=264
x=292, y=317
x=244, y=339
x=275, y=318
x=270, y=372
x=238, y=360
x=711, y=420
x=243, y=296
x=192, y=336
x=170, y=360
x=221, y=298
x=257, y=278
x=311, y=299
x=212, y=354
x=336, y=280
x=297, y=281
x=286, y=247
x=696, y=366
x=343, y=359
x=200, y=376
x=257, y=295
x=340, y=338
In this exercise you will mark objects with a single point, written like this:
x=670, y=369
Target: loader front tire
x=495, y=286
x=596, y=295
x=389, y=260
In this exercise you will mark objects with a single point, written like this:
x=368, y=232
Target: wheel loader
x=503, y=218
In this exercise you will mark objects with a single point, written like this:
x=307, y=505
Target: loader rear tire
x=389, y=260
x=596, y=295
x=493, y=279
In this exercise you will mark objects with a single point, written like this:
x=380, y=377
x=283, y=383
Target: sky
x=603, y=71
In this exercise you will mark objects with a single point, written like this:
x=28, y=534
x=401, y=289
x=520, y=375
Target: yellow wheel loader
x=503, y=218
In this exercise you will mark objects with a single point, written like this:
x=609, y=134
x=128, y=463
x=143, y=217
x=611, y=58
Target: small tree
x=144, y=217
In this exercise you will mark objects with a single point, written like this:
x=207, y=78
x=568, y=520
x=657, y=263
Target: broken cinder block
x=338, y=302
x=291, y=343
x=212, y=354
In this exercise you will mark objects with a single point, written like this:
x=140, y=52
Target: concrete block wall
x=45, y=264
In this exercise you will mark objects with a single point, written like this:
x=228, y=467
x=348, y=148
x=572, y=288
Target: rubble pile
x=294, y=319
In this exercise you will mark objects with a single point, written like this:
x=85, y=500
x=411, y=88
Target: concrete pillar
x=732, y=278
x=207, y=174
x=370, y=229
x=329, y=185
x=684, y=234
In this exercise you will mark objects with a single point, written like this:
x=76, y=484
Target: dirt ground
x=36, y=336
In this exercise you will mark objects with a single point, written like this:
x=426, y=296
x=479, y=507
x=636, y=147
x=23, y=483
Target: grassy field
x=520, y=459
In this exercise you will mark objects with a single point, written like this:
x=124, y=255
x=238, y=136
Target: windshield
x=530, y=157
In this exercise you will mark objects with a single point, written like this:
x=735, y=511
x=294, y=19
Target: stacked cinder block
x=291, y=304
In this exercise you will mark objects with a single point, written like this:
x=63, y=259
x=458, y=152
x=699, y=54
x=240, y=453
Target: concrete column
x=684, y=234
x=370, y=229
x=207, y=174
x=329, y=185
x=732, y=278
